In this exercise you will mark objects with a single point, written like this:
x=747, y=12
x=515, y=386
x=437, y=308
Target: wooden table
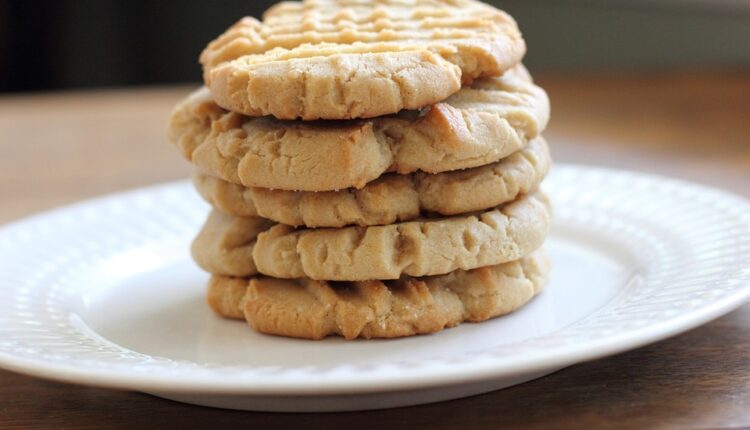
x=61, y=148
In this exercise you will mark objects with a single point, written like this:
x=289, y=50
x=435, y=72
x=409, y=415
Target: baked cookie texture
x=413, y=248
x=481, y=124
x=225, y=244
x=310, y=309
x=238, y=246
x=390, y=198
x=333, y=82
x=328, y=59
x=374, y=168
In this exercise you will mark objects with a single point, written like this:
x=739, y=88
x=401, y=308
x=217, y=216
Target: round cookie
x=333, y=81
x=328, y=59
x=479, y=125
x=390, y=198
x=310, y=309
x=225, y=244
x=414, y=248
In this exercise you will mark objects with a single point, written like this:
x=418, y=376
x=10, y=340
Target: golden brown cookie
x=390, y=198
x=479, y=125
x=339, y=59
x=415, y=248
x=333, y=82
x=310, y=309
x=225, y=244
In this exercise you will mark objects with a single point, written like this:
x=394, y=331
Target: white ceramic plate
x=104, y=293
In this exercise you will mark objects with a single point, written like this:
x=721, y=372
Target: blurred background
x=47, y=44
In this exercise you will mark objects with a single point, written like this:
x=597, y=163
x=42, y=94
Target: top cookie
x=344, y=59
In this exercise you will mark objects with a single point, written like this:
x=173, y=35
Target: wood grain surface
x=59, y=148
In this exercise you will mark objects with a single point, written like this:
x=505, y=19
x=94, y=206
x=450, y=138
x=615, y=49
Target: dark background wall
x=88, y=43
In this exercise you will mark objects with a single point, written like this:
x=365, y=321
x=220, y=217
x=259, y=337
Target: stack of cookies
x=373, y=166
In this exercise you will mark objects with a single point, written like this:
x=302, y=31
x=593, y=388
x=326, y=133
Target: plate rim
x=101, y=378
x=478, y=371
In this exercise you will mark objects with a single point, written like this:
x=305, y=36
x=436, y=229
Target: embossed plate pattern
x=103, y=293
